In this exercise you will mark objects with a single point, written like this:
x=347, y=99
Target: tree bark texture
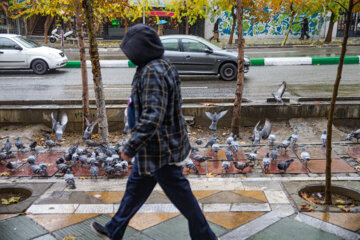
x=96, y=71
x=328, y=38
x=84, y=74
x=288, y=31
x=235, y=123
x=48, y=22
x=233, y=25
x=332, y=106
x=187, y=25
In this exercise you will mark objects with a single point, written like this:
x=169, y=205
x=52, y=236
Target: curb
x=287, y=61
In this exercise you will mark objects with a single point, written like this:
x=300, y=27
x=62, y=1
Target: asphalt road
x=65, y=84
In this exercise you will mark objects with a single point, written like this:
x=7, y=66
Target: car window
x=193, y=46
x=6, y=43
x=171, y=44
x=27, y=42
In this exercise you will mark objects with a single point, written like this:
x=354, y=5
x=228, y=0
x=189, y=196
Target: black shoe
x=100, y=231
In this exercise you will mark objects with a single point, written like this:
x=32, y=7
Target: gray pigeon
x=6, y=155
x=7, y=145
x=284, y=165
x=211, y=141
x=323, y=138
x=225, y=165
x=12, y=165
x=199, y=141
x=32, y=158
x=189, y=164
x=94, y=170
x=230, y=139
x=266, y=163
x=199, y=158
x=253, y=157
x=229, y=154
x=89, y=128
x=91, y=143
x=69, y=179
x=214, y=117
x=274, y=154
x=294, y=137
x=279, y=93
x=353, y=134
x=240, y=165
x=285, y=144
x=109, y=170
x=215, y=147
x=33, y=145
x=272, y=138
x=305, y=156
x=263, y=133
x=61, y=165
x=235, y=144
x=19, y=144
x=59, y=127
x=38, y=169
x=50, y=143
x=73, y=148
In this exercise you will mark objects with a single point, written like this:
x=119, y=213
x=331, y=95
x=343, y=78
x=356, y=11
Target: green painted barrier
x=334, y=60
x=257, y=61
x=73, y=64
x=131, y=64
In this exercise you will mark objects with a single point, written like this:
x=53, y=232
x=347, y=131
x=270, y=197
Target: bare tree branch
x=356, y=2
x=342, y=6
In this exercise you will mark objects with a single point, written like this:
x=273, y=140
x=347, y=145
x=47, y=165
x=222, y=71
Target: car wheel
x=228, y=72
x=39, y=67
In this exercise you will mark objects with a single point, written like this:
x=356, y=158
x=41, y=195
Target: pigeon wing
x=209, y=115
x=266, y=130
x=87, y=122
x=221, y=114
x=64, y=121
x=53, y=121
x=281, y=90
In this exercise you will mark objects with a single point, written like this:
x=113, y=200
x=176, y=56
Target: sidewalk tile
x=250, y=207
x=316, y=153
x=229, y=197
x=259, y=195
x=142, y=221
x=45, y=237
x=353, y=152
x=217, y=207
x=95, y=208
x=337, y=166
x=231, y=220
x=52, y=208
x=202, y=194
x=287, y=228
x=350, y=221
x=215, y=164
x=276, y=197
x=156, y=208
x=20, y=227
x=6, y=216
x=107, y=197
x=157, y=197
x=177, y=229
x=67, y=197
x=53, y=222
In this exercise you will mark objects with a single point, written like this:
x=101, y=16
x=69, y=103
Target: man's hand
x=125, y=157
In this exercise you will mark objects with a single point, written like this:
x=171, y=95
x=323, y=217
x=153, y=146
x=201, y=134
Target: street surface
x=65, y=84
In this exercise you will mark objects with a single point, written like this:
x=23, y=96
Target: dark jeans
x=178, y=190
x=304, y=33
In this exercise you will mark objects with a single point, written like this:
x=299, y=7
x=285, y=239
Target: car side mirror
x=209, y=51
x=17, y=47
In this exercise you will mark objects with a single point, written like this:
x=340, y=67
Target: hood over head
x=141, y=44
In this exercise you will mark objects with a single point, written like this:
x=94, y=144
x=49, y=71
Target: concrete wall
x=273, y=29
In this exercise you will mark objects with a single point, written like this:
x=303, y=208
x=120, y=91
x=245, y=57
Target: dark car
x=193, y=55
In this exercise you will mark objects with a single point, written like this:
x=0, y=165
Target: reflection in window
x=7, y=44
x=193, y=46
x=170, y=44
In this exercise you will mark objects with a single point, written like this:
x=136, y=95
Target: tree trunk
x=288, y=31
x=49, y=20
x=328, y=38
x=235, y=123
x=26, y=27
x=96, y=71
x=233, y=25
x=332, y=106
x=187, y=25
x=84, y=74
x=126, y=25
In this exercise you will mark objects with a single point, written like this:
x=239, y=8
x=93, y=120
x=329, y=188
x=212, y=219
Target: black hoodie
x=141, y=44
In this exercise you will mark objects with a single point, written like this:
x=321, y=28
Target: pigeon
x=279, y=93
x=274, y=154
x=38, y=169
x=284, y=165
x=124, y=165
x=241, y=165
x=305, y=156
x=123, y=141
x=272, y=138
x=199, y=141
x=235, y=145
x=126, y=122
x=266, y=162
x=59, y=127
x=69, y=179
x=89, y=128
x=294, y=137
x=230, y=139
x=6, y=155
x=61, y=165
x=7, y=145
x=253, y=157
x=189, y=164
x=323, y=138
x=19, y=144
x=353, y=134
x=91, y=143
x=33, y=145
x=215, y=147
x=285, y=144
x=73, y=148
x=199, y=158
x=94, y=170
x=108, y=169
x=211, y=141
x=12, y=165
x=81, y=151
x=214, y=117
x=261, y=134
x=229, y=154
x=225, y=165
x=84, y=158
x=32, y=158
x=50, y=143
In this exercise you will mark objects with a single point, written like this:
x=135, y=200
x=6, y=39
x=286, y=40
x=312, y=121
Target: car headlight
x=55, y=55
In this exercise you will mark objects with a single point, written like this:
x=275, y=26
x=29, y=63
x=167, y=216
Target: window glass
x=193, y=46
x=27, y=42
x=171, y=44
x=6, y=43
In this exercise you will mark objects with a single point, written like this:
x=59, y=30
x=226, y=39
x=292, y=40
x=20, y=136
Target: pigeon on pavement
x=240, y=165
x=272, y=138
x=189, y=164
x=19, y=144
x=214, y=117
x=266, y=162
x=305, y=156
x=89, y=128
x=225, y=165
x=353, y=134
x=285, y=144
x=7, y=145
x=199, y=141
x=59, y=127
x=284, y=165
x=323, y=138
x=263, y=133
x=211, y=141
x=69, y=179
x=253, y=157
x=294, y=137
x=274, y=154
x=33, y=145
x=279, y=93
x=94, y=170
x=50, y=143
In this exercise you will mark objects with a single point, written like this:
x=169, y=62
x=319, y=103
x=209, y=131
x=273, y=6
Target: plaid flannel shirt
x=160, y=135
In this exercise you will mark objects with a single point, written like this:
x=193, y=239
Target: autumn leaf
x=307, y=207
x=83, y=178
x=210, y=175
x=11, y=200
x=209, y=104
x=70, y=237
x=340, y=201
x=5, y=174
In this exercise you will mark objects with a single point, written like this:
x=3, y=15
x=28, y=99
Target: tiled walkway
x=234, y=208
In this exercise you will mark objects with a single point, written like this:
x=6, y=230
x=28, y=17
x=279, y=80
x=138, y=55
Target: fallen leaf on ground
x=307, y=207
x=70, y=237
x=83, y=177
x=211, y=175
x=209, y=104
x=11, y=200
x=5, y=174
x=340, y=201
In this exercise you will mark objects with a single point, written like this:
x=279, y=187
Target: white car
x=17, y=52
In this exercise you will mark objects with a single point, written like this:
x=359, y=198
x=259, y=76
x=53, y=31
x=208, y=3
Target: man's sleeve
x=153, y=99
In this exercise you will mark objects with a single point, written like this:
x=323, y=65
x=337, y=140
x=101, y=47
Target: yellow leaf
x=211, y=175
x=83, y=178
x=5, y=174
x=340, y=201
x=70, y=237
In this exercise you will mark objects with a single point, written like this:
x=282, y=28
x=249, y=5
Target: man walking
x=158, y=141
x=216, y=31
x=304, y=29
